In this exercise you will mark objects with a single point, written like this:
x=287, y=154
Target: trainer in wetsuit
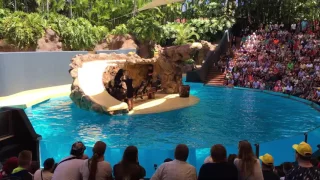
x=130, y=92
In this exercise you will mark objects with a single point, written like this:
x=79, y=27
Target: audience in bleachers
x=129, y=167
x=219, y=168
x=46, y=172
x=278, y=60
x=178, y=168
x=244, y=166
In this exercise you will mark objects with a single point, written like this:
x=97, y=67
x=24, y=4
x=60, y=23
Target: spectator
x=168, y=160
x=220, y=169
x=305, y=169
x=35, y=165
x=267, y=167
x=96, y=168
x=287, y=166
x=69, y=167
x=208, y=160
x=8, y=167
x=247, y=164
x=314, y=162
x=24, y=162
x=129, y=167
x=178, y=168
x=231, y=158
x=46, y=172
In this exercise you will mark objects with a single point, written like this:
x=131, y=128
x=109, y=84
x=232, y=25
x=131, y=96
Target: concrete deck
x=162, y=102
x=29, y=98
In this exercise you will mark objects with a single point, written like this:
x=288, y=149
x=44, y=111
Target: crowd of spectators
x=244, y=166
x=278, y=59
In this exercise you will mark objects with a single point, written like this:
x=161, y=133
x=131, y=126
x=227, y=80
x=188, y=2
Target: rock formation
x=167, y=65
x=49, y=42
x=117, y=42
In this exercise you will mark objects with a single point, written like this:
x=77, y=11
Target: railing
x=214, y=56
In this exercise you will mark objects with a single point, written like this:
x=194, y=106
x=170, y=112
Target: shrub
x=22, y=29
x=79, y=34
x=120, y=30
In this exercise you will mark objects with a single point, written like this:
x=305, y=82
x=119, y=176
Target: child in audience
x=24, y=162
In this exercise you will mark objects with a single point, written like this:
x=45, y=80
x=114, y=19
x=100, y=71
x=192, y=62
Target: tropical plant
x=79, y=34
x=146, y=26
x=185, y=34
x=3, y=13
x=120, y=30
x=22, y=29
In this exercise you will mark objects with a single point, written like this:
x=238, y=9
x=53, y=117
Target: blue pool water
x=223, y=115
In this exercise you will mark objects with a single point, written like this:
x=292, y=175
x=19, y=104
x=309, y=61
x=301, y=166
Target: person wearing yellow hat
x=305, y=170
x=267, y=167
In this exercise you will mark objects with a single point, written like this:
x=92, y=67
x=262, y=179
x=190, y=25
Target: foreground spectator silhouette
x=46, y=172
x=68, y=168
x=247, y=164
x=24, y=162
x=267, y=167
x=305, y=169
x=96, y=168
x=287, y=166
x=129, y=167
x=177, y=169
x=220, y=169
x=8, y=167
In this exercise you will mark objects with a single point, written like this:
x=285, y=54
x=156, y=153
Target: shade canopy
x=156, y=3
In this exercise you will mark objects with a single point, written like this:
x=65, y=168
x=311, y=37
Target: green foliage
x=286, y=11
x=146, y=26
x=79, y=34
x=3, y=13
x=207, y=28
x=184, y=34
x=23, y=29
x=189, y=61
x=120, y=30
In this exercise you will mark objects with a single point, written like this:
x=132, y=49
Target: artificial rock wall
x=167, y=64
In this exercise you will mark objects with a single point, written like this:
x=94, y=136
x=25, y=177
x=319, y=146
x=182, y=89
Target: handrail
x=257, y=150
x=214, y=56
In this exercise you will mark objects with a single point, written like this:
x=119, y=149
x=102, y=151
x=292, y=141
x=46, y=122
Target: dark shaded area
x=212, y=57
x=18, y=134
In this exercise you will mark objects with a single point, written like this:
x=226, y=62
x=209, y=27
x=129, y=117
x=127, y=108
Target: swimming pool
x=223, y=115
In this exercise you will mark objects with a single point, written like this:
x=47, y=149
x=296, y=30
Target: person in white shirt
x=96, y=168
x=46, y=172
x=293, y=27
x=69, y=167
x=177, y=169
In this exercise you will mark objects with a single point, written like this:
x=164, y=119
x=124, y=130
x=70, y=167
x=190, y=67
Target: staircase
x=215, y=77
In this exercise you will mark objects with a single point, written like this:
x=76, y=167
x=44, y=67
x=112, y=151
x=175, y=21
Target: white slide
x=90, y=81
